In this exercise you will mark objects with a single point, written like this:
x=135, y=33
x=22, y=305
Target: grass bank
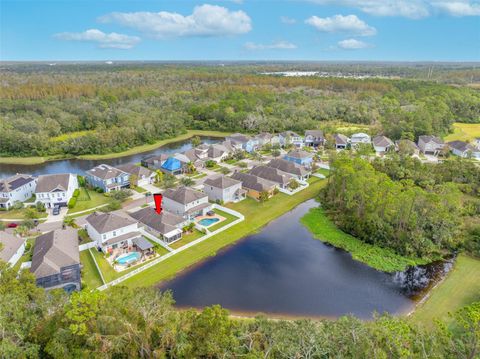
x=34, y=160
x=379, y=258
x=464, y=132
x=256, y=215
x=461, y=287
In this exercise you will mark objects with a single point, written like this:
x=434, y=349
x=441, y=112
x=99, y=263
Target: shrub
x=17, y=205
x=113, y=206
x=242, y=164
x=76, y=193
x=121, y=195
x=72, y=202
x=210, y=163
x=40, y=207
x=99, y=190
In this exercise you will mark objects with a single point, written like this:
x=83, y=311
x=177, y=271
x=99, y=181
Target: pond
x=80, y=166
x=284, y=271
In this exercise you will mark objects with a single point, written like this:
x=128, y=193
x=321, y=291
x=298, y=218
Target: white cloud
x=279, y=45
x=353, y=44
x=206, y=20
x=339, y=23
x=287, y=20
x=110, y=41
x=413, y=9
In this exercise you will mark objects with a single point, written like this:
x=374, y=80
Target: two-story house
x=17, y=188
x=303, y=158
x=291, y=138
x=56, y=260
x=107, y=178
x=139, y=174
x=55, y=190
x=360, y=138
x=254, y=185
x=224, y=189
x=430, y=145
x=110, y=231
x=266, y=138
x=186, y=202
x=314, y=138
x=243, y=142
x=299, y=172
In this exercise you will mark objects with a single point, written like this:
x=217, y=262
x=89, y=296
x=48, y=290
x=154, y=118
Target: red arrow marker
x=157, y=197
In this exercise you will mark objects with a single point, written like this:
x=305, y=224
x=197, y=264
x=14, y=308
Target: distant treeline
x=94, y=110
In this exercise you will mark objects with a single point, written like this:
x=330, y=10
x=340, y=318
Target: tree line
x=143, y=323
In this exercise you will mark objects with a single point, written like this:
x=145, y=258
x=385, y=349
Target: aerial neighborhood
x=198, y=188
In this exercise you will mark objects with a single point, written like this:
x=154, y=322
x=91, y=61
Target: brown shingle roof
x=183, y=195
x=271, y=174
x=221, y=181
x=299, y=154
x=49, y=183
x=138, y=171
x=107, y=222
x=9, y=245
x=341, y=139
x=162, y=223
x=382, y=141
x=253, y=182
x=105, y=172
x=288, y=167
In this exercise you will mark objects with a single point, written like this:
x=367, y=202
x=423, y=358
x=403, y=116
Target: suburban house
x=172, y=166
x=464, y=149
x=154, y=162
x=297, y=171
x=314, y=138
x=407, y=145
x=139, y=174
x=186, y=202
x=17, y=188
x=56, y=260
x=196, y=157
x=266, y=138
x=382, y=144
x=291, y=138
x=217, y=152
x=11, y=248
x=281, y=179
x=107, y=178
x=224, y=189
x=243, y=142
x=255, y=185
x=303, y=158
x=359, y=138
x=165, y=225
x=476, y=143
x=341, y=141
x=55, y=190
x=431, y=145
x=110, y=231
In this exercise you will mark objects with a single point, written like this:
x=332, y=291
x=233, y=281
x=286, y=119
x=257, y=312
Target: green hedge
x=72, y=202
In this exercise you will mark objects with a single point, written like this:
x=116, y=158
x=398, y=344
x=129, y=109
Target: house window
x=104, y=236
x=114, y=233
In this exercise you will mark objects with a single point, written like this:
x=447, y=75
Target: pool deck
x=199, y=218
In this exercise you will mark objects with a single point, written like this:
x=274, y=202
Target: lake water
x=80, y=166
x=283, y=270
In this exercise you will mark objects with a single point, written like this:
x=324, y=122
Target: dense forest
x=416, y=209
x=124, y=323
x=96, y=109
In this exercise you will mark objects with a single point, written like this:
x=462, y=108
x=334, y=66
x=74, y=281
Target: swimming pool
x=208, y=221
x=128, y=258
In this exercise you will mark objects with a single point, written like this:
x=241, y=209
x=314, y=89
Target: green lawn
x=84, y=238
x=19, y=214
x=379, y=258
x=256, y=215
x=464, y=132
x=90, y=276
x=139, y=189
x=460, y=288
x=229, y=219
x=187, y=239
x=323, y=171
x=89, y=199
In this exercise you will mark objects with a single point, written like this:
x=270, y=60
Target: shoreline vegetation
x=35, y=160
x=382, y=259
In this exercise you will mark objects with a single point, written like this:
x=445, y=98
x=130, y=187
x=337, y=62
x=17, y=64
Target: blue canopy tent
x=172, y=165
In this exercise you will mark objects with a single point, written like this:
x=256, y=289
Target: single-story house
x=217, y=152
x=155, y=162
x=56, y=189
x=56, y=260
x=255, y=185
x=17, y=188
x=299, y=172
x=431, y=145
x=196, y=157
x=359, y=138
x=110, y=231
x=341, y=141
x=290, y=137
x=407, y=146
x=186, y=202
x=11, y=248
x=166, y=225
x=223, y=188
x=303, y=158
x=107, y=178
x=382, y=144
x=314, y=138
x=172, y=166
x=281, y=179
x=141, y=174
x=464, y=149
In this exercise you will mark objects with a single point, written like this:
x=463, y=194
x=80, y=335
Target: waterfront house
x=194, y=157
x=255, y=185
x=303, y=158
x=107, y=178
x=281, y=179
x=186, y=202
x=243, y=142
x=217, y=152
x=224, y=189
x=56, y=260
x=314, y=138
x=291, y=138
x=341, y=141
x=55, y=190
x=17, y=188
x=382, y=144
x=166, y=225
x=431, y=145
x=266, y=138
x=359, y=138
x=408, y=146
x=299, y=172
x=172, y=166
x=155, y=162
x=140, y=174
x=110, y=231
x=11, y=248
x=464, y=149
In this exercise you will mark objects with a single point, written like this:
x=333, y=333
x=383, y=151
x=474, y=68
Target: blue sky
x=376, y=30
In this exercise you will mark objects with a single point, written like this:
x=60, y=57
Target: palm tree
x=158, y=176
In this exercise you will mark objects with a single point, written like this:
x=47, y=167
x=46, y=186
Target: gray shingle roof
x=105, y=172
x=435, y=139
x=382, y=141
x=253, y=182
x=461, y=146
x=288, y=167
x=12, y=183
x=341, y=139
x=107, y=222
x=221, y=181
x=183, y=195
x=138, y=171
x=49, y=183
x=271, y=174
x=299, y=154
x=314, y=133
x=142, y=243
x=289, y=133
x=162, y=223
x=9, y=245
x=53, y=251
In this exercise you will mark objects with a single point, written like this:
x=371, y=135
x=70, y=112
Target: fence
x=85, y=246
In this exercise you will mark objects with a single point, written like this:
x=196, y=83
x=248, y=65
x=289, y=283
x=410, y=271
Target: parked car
x=12, y=225
x=56, y=210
